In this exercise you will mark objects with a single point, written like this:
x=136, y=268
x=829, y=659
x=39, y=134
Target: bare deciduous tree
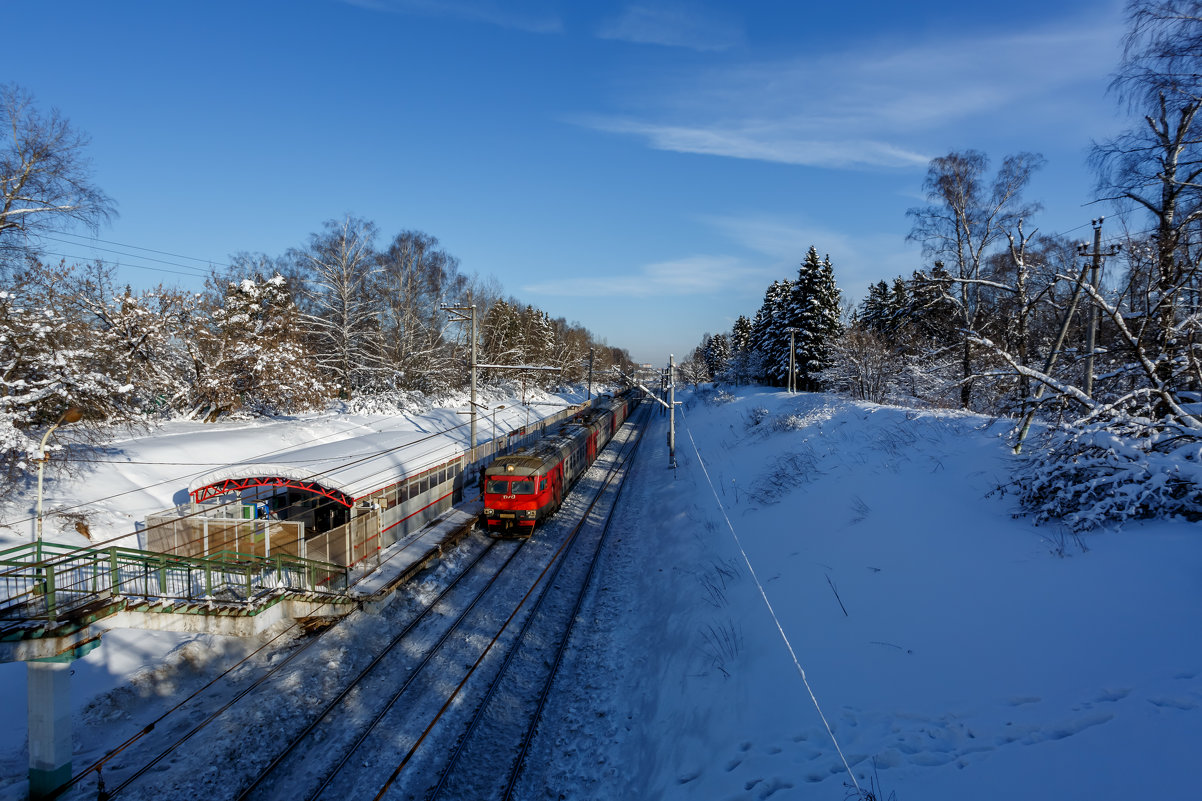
x=340, y=301
x=45, y=177
x=965, y=219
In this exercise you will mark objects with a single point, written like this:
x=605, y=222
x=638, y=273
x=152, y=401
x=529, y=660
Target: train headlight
x=531, y=513
x=488, y=511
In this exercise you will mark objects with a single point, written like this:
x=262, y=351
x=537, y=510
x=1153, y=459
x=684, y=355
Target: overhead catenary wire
x=771, y=611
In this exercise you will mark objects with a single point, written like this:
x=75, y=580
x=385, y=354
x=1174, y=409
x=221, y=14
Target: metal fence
x=46, y=581
x=184, y=532
x=348, y=544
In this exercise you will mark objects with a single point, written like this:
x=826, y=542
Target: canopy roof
x=345, y=470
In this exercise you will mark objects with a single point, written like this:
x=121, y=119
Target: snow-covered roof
x=353, y=467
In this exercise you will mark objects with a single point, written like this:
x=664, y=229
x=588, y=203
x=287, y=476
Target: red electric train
x=524, y=487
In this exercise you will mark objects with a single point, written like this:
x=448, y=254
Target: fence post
x=114, y=573
x=50, y=592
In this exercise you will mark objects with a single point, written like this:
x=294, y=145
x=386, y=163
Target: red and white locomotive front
x=515, y=493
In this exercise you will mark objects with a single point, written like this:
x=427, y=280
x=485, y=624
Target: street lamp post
x=72, y=415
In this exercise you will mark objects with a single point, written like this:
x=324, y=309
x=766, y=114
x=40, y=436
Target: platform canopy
x=344, y=470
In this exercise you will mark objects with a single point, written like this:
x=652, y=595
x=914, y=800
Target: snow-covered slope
x=957, y=652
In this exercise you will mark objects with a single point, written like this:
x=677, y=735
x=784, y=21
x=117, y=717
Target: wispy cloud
x=858, y=259
x=782, y=141
x=532, y=16
x=878, y=106
x=694, y=275
x=674, y=25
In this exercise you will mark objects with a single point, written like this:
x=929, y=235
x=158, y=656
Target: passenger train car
x=528, y=485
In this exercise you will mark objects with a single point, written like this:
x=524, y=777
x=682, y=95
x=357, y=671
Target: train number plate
x=505, y=515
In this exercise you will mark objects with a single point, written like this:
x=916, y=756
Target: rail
x=45, y=583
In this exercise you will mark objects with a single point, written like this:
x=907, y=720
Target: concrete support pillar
x=49, y=727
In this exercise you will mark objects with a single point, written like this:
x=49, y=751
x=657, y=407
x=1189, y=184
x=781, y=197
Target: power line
x=136, y=266
x=197, y=270
x=137, y=247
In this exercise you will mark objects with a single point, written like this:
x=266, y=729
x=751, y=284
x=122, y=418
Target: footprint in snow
x=1025, y=699
x=1184, y=704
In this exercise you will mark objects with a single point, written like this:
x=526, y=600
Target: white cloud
x=858, y=259
x=780, y=142
x=673, y=25
x=694, y=275
x=878, y=106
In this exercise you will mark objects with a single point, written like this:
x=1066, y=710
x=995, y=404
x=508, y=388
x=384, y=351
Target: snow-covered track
x=488, y=758
x=228, y=721
x=335, y=724
x=314, y=758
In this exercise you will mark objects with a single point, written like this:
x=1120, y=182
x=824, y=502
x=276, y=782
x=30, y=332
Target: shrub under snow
x=1092, y=475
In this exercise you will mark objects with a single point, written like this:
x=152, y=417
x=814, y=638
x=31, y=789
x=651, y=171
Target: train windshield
x=504, y=486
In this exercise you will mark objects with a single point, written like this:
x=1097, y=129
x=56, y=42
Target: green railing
x=48, y=582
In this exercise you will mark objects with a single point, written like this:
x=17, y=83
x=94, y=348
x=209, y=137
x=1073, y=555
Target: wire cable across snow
x=763, y=594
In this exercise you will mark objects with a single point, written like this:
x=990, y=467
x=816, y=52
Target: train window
x=423, y=484
x=542, y=485
x=406, y=492
x=497, y=486
x=522, y=487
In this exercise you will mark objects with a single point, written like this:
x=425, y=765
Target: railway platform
x=56, y=603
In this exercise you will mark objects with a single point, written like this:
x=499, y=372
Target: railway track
x=488, y=757
x=385, y=690
x=233, y=702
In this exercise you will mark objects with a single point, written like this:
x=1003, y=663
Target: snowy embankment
x=956, y=651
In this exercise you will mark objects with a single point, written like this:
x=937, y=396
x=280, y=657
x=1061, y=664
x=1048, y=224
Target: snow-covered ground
x=956, y=651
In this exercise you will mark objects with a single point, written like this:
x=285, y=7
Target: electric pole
x=792, y=359
x=1095, y=279
x=672, y=409
x=464, y=314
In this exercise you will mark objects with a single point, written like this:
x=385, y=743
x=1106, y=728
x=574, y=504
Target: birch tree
x=340, y=302
x=968, y=214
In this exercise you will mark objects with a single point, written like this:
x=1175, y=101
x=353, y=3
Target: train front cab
x=514, y=500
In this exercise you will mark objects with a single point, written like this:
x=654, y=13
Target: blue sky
x=645, y=169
